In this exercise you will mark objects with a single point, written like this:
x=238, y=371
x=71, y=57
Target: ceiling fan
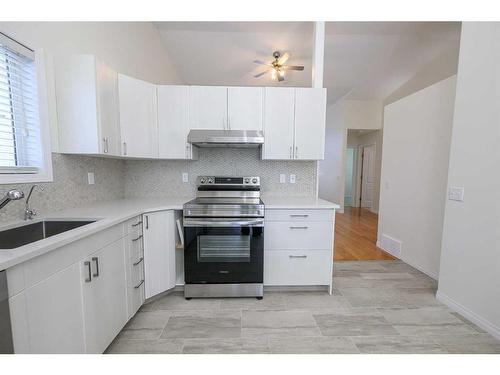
x=277, y=67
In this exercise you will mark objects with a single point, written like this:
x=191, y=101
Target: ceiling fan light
x=281, y=73
x=274, y=74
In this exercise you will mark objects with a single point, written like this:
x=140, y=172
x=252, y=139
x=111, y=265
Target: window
x=22, y=137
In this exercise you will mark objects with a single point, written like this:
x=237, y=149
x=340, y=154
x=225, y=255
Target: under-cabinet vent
x=391, y=245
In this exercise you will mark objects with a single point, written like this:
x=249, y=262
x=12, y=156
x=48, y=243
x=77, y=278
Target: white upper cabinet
x=244, y=108
x=208, y=107
x=173, y=123
x=87, y=106
x=138, y=117
x=278, y=123
x=310, y=116
x=294, y=123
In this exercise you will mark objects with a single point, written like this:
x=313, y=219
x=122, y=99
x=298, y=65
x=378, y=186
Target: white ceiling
x=366, y=60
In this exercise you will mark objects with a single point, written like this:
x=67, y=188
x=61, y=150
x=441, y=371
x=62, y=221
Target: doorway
x=356, y=228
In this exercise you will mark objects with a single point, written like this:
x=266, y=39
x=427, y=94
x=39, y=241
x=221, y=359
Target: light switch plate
x=185, y=177
x=456, y=194
x=91, y=178
x=292, y=178
x=282, y=178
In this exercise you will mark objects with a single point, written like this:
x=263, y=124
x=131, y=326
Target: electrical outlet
x=185, y=177
x=456, y=194
x=91, y=178
x=282, y=178
x=292, y=178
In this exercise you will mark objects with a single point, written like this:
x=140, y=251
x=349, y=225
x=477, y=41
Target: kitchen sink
x=32, y=232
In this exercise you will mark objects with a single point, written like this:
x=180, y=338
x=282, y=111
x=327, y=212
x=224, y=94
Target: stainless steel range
x=224, y=239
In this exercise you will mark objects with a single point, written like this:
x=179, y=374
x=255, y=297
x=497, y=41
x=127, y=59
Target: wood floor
x=356, y=236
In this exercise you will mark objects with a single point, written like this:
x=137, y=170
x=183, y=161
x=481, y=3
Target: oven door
x=223, y=251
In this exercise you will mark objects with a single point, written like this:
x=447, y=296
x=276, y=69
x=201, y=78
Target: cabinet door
x=244, y=108
x=159, y=252
x=54, y=313
x=173, y=122
x=278, y=123
x=105, y=296
x=208, y=107
x=107, y=104
x=138, y=125
x=310, y=113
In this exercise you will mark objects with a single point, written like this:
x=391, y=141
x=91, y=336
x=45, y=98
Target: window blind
x=20, y=135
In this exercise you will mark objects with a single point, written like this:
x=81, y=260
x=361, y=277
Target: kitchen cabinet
x=104, y=296
x=87, y=106
x=138, y=117
x=279, y=121
x=310, y=119
x=294, y=123
x=135, y=264
x=159, y=252
x=244, y=106
x=173, y=123
x=208, y=107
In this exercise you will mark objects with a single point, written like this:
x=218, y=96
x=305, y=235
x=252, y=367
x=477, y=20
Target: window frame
x=44, y=172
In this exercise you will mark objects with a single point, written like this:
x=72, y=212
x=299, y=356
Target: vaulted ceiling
x=364, y=60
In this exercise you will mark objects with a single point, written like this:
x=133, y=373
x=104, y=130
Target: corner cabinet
x=294, y=124
x=87, y=106
x=138, y=118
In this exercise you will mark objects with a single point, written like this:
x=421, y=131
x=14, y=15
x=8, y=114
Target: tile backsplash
x=159, y=178
x=115, y=179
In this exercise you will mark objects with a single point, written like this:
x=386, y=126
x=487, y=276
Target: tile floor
x=377, y=307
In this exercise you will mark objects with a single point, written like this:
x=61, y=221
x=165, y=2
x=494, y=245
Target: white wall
x=417, y=134
x=341, y=116
x=469, y=279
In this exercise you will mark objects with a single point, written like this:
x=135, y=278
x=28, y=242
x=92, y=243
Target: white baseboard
x=469, y=314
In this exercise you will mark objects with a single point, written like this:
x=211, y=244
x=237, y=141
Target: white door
x=310, y=114
x=368, y=176
x=107, y=104
x=105, y=296
x=138, y=121
x=278, y=123
x=173, y=122
x=159, y=252
x=207, y=107
x=244, y=108
x=55, y=314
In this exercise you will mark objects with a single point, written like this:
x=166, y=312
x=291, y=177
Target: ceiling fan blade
x=283, y=58
x=293, y=67
x=261, y=74
x=260, y=62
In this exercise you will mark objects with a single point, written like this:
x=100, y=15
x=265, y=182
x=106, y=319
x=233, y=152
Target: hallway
x=356, y=236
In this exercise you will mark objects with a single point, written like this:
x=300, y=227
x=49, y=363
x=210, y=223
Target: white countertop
x=109, y=213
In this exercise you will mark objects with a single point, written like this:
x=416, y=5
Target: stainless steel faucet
x=29, y=212
x=12, y=195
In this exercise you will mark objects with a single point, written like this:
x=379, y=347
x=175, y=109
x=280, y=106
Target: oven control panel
x=241, y=181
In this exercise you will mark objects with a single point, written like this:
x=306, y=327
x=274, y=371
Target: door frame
x=359, y=172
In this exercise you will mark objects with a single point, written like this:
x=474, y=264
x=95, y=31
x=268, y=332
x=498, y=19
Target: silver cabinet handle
x=296, y=152
x=299, y=215
x=187, y=150
x=147, y=222
x=139, y=261
x=298, y=256
x=96, y=260
x=138, y=286
x=124, y=148
x=137, y=239
x=304, y=227
x=291, y=152
x=106, y=146
x=136, y=224
x=88, y=279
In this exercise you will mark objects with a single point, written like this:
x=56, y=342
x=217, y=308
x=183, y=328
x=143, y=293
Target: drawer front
x=136, y=245
x=295, y=267
x=137, y=273
x=136, y=295
x=133, y=226
x=299, y=215
x=298, y=235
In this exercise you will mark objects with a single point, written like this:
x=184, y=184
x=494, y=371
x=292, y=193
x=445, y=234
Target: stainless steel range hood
x=226, y=138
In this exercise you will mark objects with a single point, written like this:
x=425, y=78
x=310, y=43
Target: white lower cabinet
x=104, y=296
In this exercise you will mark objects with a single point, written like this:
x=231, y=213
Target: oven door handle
x=223, y=223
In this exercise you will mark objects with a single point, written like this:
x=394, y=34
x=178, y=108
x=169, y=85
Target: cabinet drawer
x=299, y=215
x=281, y=235
x=295, y=267
x=136, y=246
x=133, y=226
x=136, y=296
x=137, y=273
